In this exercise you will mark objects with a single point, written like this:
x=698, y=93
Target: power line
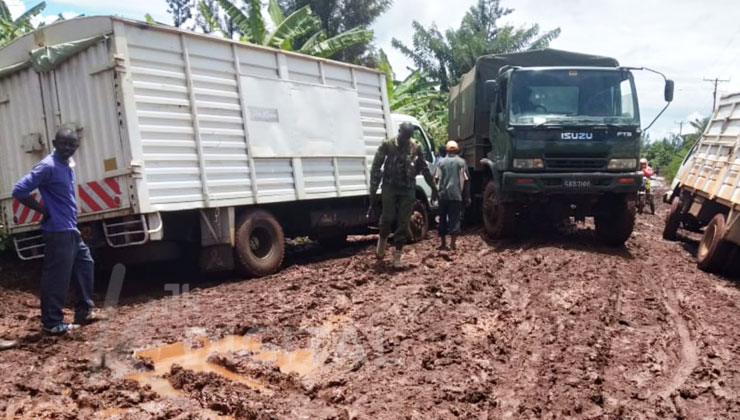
x=729, y=41
x=716, y=81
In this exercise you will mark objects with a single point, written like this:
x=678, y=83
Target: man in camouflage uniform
x=404, y=160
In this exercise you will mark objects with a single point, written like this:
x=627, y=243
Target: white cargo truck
x=706, y=191
x=194, y=140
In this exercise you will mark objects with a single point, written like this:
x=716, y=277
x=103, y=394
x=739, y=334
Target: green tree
x=700, y=125
x=447, y=57
x=420, y=97
x=10, y=28
x=180, y=11
x=299, y=25
x=338, y=16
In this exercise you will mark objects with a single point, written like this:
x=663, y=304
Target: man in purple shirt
x=66, y=254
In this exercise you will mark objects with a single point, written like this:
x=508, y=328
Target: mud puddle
x=197, y=359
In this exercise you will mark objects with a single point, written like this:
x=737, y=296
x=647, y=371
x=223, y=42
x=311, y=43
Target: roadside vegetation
x=666, y=155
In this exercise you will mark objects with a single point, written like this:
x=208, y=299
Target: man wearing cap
x=454, y=190
x=397, y=162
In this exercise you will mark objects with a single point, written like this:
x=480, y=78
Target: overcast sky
x=685, y=39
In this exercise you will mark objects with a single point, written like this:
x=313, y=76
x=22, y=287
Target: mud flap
x=216, y=258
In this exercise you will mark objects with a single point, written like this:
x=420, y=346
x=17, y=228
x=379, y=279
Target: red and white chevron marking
x=94, y=197
x=23, y=215
x=99, y=196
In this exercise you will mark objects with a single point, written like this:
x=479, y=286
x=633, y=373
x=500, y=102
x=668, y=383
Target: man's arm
x=375, y=172
x=422, y=167
x=22, y=191
x=466, y=186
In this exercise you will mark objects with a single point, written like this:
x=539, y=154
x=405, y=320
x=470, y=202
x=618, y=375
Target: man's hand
x=435, y=195
x=45, y=215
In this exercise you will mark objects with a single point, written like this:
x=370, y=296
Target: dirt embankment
x=549, y=326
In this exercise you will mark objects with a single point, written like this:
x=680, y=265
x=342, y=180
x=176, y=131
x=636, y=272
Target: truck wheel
x=713, y=249
x=419, y=223
x=673, y=221
x=615, y=226
x=498, y=219
x=260, y=244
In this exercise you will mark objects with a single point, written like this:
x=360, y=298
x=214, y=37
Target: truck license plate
x=577, y=183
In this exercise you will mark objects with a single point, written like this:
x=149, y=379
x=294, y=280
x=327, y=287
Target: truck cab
x=427, y=144
x=550, y=135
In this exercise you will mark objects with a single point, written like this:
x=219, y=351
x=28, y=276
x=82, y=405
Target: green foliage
x=668, y=154
x=445, y=58
x=338, y=16
x=419, y=97
x=299, y=25
x=10, y=28
x=180, y=11
x=330, y=47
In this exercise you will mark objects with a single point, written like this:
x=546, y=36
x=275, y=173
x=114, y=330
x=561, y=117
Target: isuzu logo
x=576, y=136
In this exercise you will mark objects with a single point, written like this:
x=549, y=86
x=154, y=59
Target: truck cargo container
x=706, y=191
x=190, y=141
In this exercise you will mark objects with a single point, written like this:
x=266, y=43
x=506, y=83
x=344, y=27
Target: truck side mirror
x=669, y=85
x=491, y=90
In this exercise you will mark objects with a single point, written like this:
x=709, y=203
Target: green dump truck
x=551, y=135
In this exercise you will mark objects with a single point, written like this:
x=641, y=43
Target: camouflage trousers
x=398, y=204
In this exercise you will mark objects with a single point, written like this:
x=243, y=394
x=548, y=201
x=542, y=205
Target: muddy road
x=544, y=327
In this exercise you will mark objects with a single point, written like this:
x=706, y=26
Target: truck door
x=82, y=93
x=422, y=139
x=23, y=139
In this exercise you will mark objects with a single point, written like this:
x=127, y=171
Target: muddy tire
x=615, y=226
x=260, y=244
x=498, y=218
x=673, y=221
x=419, y=222
x=713, y=249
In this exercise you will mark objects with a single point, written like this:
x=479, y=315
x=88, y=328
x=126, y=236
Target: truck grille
x=576, y=164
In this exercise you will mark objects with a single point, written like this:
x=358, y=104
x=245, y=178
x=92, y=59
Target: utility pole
x=680, y=127
x=716, y=81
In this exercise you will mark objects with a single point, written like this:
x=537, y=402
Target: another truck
x=706, y=193
x=551, y=134
x=192, y=144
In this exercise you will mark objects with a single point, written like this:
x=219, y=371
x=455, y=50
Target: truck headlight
x=528, y=164
x=622, y=163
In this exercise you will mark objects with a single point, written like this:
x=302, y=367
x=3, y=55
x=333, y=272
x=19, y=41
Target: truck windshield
x=573, y=96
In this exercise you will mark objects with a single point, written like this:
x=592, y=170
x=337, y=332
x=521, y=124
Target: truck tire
x=260, y=244
x=673, y=221
x=713, y=248
x=419, y=222
x=615, y=226
x=498, y=218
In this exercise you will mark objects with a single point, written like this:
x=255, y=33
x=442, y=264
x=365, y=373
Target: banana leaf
x=211, y=19
x=252, y=27
x=5, y=12
x=276, y=13
x=24, y=20
x=299, y=24
x=344, y=40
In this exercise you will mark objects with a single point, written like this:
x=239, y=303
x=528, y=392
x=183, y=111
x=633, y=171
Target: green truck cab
x=550, y=135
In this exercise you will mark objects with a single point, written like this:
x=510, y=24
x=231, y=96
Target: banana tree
x=10, y=28
x=301, y=24
x=419, y=97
